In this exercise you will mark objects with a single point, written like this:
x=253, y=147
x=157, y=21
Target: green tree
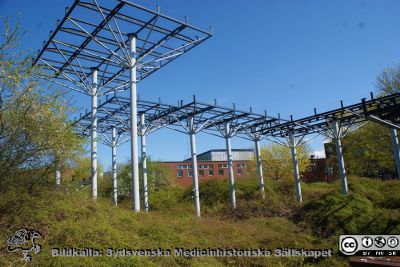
x=368, y=150
x=34, y=132
x=82, y=168
x=158, y=177
x=277, y=161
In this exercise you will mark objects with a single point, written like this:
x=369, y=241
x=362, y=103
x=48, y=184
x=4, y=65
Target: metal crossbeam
x=114, y=112
x=91, y=36
x=383, y=108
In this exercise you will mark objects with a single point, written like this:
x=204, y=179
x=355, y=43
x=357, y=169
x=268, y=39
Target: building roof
x=219, y=150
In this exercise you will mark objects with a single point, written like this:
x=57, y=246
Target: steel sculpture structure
x=114, y=129
x=336, y=124
x=96, y=49
x=189, y=118
x=194, y=117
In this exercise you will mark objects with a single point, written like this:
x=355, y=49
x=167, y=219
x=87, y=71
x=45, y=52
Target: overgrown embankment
x=74, y=220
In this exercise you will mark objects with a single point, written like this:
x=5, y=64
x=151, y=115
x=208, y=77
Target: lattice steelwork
x=189, y=118
x=211, y=118
x=96, y=49
x=91, y=36
x=194, y=117
x=386, y=108
x=115, y=113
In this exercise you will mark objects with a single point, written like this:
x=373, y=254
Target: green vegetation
x=35, y=139
x=368, y=150
x=34, y=134
x=71, y=219
x=278, y=163
x=158, y=177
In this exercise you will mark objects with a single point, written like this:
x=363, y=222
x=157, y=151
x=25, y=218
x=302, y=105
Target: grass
x=74, y=220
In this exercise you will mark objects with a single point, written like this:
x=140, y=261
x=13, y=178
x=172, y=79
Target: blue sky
x=283, y=56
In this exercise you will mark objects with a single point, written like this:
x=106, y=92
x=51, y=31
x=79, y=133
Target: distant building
x=318, y=171
x=211, y=165
x=220, y=155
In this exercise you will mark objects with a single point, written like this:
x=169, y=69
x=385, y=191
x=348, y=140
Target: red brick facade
x=208, y=170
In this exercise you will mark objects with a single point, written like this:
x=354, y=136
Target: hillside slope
x=68, y=220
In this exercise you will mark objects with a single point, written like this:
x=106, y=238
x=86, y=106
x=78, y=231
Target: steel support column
x=230, y=165
x=94, y=134
x=133, y=124
x=196, y=196
x=259, y=167
x=293, y=146
x=144, y=163
x=339, y=152
x=58, y=177
x=114, y=165
x=396, y=151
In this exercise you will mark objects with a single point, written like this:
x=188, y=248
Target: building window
x=179, y=173
x=190, y=173
x=201, y=172
x=210, y=172
x=239, y=171
x=182, y=167
x=221, y=172
x=223, y=166
x=241, y=165
x=201, y=166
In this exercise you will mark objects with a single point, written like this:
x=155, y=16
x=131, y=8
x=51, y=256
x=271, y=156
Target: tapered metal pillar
x=196, y=196
x=396, y=151
x=94, y=134
x=144, y=163
x=133, y=124
x=259, y=167
x=114, y=165
x=58, y=177
x=293, y=146
x=339, y=152
x=230, y=165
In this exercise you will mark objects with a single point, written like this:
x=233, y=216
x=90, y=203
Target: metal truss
x=115, y=113
x=194, y=117
x=97, y=49
x=209, y=118
x=94, y=36
x=190, y=118
x=384, y=109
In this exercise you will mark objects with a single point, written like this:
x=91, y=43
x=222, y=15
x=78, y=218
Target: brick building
x=318, y=171
x=211, y=165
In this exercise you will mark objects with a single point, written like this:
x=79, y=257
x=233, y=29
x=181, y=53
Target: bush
x=367, y=209
x=166, y=198
x=215, y=193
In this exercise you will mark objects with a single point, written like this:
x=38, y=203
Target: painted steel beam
x=293, y=146
x=196, y=193
x=396, y=150
x=94, y=135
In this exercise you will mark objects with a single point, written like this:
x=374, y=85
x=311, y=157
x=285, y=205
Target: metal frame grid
x=115, y=113
x=209, y=118
x=384, y=109
x=195, y=117
x=91, y=36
